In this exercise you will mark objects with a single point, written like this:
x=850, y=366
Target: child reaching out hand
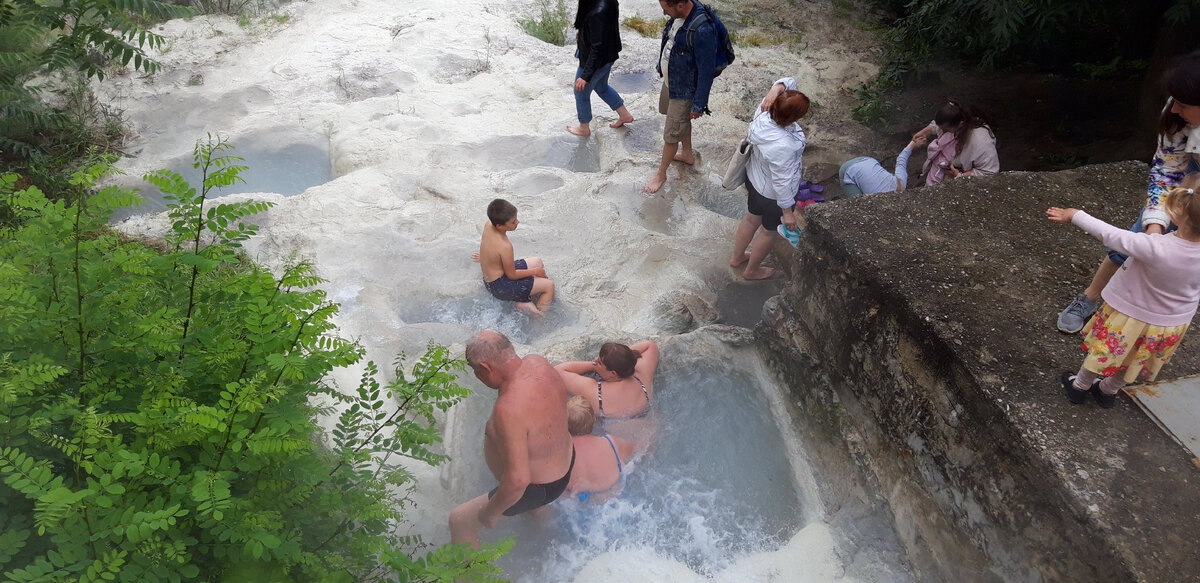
x=1147, y=305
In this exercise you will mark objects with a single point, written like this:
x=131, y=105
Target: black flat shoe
x=1106, y=400
x=1074, y=395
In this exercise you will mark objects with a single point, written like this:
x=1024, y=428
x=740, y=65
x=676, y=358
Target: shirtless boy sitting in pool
x=511, y=280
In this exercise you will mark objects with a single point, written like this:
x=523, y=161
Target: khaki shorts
x=679, y=116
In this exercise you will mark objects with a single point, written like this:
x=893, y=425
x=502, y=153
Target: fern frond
x=31, y=477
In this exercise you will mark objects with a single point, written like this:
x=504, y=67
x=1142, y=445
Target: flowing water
x=381, y=131
x=705, y=494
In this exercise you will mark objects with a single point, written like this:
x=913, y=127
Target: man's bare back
x=535, y=401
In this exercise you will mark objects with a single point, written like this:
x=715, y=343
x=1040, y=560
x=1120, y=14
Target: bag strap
x=695, y=23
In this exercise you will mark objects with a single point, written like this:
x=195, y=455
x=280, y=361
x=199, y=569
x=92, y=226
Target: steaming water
x=705, y=494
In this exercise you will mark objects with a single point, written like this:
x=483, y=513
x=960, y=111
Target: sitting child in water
x=600, y=460
x=518, y=280
x=1147, y=305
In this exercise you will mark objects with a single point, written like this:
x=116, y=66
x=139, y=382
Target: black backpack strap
x=696, y=22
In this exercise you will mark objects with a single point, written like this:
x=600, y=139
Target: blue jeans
x=599, y=84
x=1118, y=257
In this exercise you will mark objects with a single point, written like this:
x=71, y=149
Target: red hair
x=789, y=107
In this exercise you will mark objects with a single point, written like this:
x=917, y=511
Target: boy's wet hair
x=501, y=211
x=580, y=416
x=619, y=358
x=1183, y=202
x=789, y=107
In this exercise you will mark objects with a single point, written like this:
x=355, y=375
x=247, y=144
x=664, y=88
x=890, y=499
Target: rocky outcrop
x=917, y=338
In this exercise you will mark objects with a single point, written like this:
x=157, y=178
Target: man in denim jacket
x=687, y=72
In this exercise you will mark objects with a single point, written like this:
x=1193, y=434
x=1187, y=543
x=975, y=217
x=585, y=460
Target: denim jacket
x=690, y=69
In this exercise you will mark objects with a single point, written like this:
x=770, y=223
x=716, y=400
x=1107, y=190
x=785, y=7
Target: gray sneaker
x=1072, y=319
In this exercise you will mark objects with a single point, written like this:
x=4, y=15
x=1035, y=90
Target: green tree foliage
x=1053, y=34
x=157, y=414
x=1089, y=38
x=65, y=37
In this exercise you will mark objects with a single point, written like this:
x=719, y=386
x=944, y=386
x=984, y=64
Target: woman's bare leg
x=758, y=252
x=741, y=239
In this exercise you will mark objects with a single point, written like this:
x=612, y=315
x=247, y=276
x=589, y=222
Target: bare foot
x=760, y=273
x=582, y=130
x=620, y=122
x=655, y=183
x=740, y=260
x=689, y=158
x=475, y=257
x=530, y=309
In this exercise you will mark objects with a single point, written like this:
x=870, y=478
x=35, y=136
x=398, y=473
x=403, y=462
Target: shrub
x=753, y=38
x=645, y=27
x=156, y=408
x=549, y=23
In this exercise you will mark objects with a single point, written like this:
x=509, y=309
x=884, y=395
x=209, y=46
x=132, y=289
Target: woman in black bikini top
x=600, y=398
x=617, y=363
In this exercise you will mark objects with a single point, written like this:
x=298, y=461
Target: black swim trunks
x=538, y=495
x=512, y=290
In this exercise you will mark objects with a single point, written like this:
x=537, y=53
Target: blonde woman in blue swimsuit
x=601, y=460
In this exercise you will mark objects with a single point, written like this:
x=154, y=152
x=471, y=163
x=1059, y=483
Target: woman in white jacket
x=772, y=176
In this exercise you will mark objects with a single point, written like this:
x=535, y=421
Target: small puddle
x=729, y=203
x=535, y=182
x=516, y=152
x=284, y=161
x=635, y=82
x=740, y=302
x=661, y=214
x=643, y=136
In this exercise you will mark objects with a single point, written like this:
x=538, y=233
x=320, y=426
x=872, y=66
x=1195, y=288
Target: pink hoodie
x=1160, y=282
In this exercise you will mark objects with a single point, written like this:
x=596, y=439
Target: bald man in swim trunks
x=525, y=442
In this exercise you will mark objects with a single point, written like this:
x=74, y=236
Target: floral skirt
x=1119, y=345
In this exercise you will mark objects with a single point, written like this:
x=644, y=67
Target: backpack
x=725, y=54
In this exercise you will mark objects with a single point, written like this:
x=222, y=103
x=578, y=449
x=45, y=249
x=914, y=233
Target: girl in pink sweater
x=1148, y=304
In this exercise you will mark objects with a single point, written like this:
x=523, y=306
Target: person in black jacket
x=599, y=42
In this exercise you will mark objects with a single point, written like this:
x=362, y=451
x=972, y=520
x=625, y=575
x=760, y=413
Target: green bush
x=645, y=27
x=549, y=23
x=157, y=413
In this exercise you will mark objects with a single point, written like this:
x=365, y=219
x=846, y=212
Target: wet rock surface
x=917, y=336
